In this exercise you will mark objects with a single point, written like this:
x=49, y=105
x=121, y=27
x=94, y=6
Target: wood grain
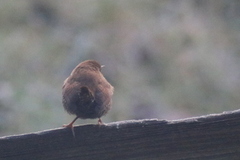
x=211, y=137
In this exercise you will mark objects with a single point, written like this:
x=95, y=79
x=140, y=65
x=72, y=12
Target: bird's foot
x=100, y=122
x=70, y=126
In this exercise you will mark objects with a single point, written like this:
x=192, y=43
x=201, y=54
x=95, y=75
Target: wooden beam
x=211, y=137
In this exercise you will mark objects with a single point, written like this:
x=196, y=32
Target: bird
x=86, y=93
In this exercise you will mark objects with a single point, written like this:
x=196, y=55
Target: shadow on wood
x=211, y=137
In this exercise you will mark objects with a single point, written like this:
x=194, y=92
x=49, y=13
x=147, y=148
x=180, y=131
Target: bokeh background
x=167, y=59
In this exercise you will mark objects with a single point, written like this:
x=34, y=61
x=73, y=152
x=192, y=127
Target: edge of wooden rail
x=214, y=136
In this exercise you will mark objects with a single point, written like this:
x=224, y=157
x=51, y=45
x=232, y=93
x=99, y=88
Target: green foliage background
x=167, y=59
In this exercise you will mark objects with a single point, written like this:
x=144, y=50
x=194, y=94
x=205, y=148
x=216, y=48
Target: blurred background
x=167, y=59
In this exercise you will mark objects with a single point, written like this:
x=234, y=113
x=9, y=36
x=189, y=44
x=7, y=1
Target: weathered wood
x=212, y=137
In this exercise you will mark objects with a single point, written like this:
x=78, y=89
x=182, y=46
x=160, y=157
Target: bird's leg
x=100, y=122
x=70, y=125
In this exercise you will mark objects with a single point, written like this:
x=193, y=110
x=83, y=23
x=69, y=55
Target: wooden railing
x=210, y=137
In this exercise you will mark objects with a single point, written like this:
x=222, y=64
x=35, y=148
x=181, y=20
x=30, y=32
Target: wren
x=86, y=93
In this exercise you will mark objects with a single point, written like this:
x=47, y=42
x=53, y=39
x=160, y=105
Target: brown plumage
x=86, y=93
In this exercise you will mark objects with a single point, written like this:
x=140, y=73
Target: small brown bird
x=86, y=93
